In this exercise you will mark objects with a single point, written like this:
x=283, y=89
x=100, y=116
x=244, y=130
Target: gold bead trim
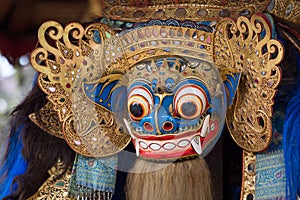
x=286, y=9
x=181, y=9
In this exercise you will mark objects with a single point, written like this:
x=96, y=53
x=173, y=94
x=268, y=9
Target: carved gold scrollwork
x=56, y=186
x=72, y=55
x=47, y=119
x=255, y=55
x=66, y=58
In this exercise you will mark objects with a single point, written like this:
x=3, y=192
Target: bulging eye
x=138, y=108
x=140, y=101
x=190, y=102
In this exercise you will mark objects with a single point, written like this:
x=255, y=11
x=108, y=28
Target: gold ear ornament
x=66, y=58
x=257, y=55
x=249, y=118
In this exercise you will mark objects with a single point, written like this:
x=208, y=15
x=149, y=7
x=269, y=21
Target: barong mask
x=171, y=106
x=165, y=85
x=165, y=76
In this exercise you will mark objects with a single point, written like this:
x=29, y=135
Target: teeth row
x=196, y=143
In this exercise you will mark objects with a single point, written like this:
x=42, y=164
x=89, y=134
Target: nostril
x=148, y=126
x=167, y=126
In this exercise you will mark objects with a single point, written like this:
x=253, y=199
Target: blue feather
x=291, y=142
x=13, y=165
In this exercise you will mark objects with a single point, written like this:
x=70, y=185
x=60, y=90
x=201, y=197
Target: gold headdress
x=81, y=55
x=73, y=55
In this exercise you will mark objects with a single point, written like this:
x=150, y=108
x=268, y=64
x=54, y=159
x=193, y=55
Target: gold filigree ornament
x=66, y=58
x=257, y=56
x=48, y=120
x=56, y=186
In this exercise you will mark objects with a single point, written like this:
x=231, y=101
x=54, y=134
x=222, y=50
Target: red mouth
x=175, y=146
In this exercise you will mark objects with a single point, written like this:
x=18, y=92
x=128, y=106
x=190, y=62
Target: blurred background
x=19, y=23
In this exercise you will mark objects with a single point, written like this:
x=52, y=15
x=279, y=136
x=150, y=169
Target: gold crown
x=195, y=10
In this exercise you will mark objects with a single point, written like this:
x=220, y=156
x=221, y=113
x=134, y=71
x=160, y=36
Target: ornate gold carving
x=286, y=9
x=151, y=41
x=56, y=186
x=196, y=10
x=169, y=40
x=156, y=41
x=68, y=57
x=247, y=47
x=71, y=56
x=48, y=120
x=248, y=182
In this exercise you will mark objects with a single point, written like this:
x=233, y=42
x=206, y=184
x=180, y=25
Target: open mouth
x=170, y=146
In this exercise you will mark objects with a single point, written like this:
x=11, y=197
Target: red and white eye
x=140, y=101
x=190, y=102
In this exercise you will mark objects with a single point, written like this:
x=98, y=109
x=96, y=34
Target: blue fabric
x=270, y=179
x=97, y=173
x=13, y=166
x=291, y=132
x=92, y=175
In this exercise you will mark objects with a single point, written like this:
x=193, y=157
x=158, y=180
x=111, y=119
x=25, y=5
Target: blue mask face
x=171, y=106
x=172, y=103
x=167, y=103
